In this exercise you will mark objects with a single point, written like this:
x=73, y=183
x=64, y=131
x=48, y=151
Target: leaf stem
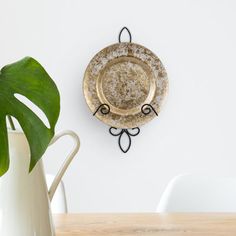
x=11, y=122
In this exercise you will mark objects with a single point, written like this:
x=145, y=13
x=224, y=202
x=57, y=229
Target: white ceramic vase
x=24, y=197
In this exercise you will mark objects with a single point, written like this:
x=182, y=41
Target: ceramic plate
x=125, y=76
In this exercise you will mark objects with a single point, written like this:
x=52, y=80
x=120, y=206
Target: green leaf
x=28, y=78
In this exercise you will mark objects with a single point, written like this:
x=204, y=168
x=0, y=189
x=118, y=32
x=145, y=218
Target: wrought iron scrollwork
x=147, y=109
x=103, y=108
x=121, y=134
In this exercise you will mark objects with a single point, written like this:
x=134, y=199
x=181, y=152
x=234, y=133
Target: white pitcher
x=24, y=197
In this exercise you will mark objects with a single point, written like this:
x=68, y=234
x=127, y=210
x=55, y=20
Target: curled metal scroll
x=103, y=108
x=122, y=30
x=147, y=109
x=121, y=133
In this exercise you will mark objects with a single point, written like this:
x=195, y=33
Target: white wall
x=195, y=132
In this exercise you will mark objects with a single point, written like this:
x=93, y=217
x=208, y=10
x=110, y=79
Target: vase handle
x=68, y=160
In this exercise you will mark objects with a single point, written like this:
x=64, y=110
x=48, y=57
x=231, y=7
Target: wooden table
x=147, y=224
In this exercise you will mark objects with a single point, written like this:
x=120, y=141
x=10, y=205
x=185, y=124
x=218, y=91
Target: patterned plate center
x=125, y=85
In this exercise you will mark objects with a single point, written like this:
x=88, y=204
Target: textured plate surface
x=125, y=76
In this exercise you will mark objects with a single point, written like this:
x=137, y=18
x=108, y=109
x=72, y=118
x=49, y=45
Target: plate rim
x=100, y=116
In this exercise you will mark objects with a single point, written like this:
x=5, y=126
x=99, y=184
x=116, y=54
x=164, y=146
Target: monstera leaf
x=27, y=78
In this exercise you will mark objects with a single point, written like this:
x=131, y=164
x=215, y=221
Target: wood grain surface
x=145, y=224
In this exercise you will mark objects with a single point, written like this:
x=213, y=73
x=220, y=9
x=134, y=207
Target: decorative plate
x=127, y=81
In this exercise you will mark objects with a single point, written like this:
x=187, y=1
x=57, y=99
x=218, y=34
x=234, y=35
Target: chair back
x=196, y=193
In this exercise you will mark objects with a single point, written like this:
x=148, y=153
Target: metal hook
x=104, y=109
x=147, y=108
x=130, y=36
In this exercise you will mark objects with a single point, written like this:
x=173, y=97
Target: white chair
x=58, y=204
x=195, y=193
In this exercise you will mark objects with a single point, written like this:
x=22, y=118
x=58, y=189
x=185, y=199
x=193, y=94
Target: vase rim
x=17, y=131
